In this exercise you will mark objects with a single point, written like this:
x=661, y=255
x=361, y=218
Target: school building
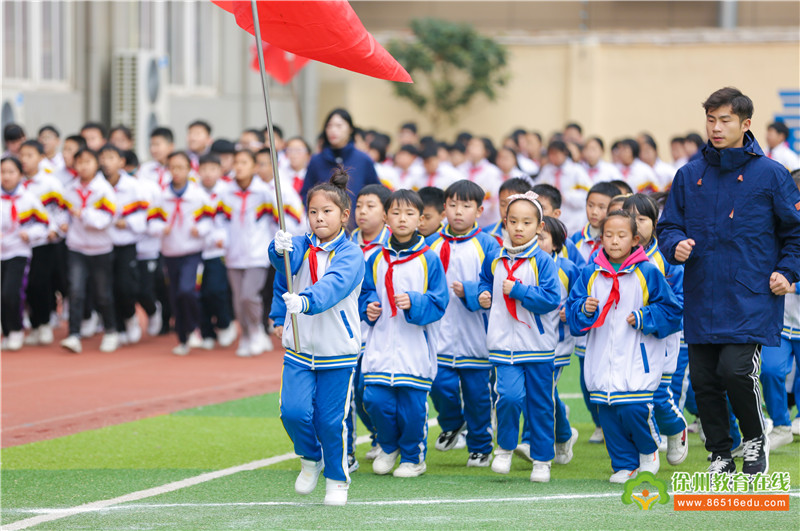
x=616, y=67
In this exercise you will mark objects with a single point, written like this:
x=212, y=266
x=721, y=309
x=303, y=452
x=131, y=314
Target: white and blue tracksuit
x=399, y=362
x=776, y=362
x=461, y=391
x=623, y=362
x=522, y=340
x=317, y=374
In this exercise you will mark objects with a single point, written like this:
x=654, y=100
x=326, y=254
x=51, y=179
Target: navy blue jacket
x=743, y=212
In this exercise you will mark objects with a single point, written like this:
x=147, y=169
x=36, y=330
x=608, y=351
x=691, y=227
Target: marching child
x=24, y=220
x=437, y=174
x=161, y=145
x=507, y=189
x=404, y=294
x=625, y=307
x=327, y=270
x=519, y=285
x=433, y=210
x=571, y=180
x=299, y=154
x=461, y=391
x=92, y=203
x=183, y=218
x=588, y=240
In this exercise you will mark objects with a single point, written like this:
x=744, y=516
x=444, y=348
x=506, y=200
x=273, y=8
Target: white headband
x=528, y=196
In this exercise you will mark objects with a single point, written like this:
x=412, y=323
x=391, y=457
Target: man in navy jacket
x=733, y=219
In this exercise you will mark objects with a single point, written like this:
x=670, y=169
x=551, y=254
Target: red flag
x=329, y=32
x=279, y=64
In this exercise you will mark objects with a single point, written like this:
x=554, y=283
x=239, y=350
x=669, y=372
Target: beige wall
x=612, y=90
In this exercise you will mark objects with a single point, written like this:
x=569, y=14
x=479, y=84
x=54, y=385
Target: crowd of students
x=471, y=274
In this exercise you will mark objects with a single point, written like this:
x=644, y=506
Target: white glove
x=294, y=302
x=283, y=242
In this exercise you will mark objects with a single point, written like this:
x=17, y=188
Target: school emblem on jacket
x=643, y=497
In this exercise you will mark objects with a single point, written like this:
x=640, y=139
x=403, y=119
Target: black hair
x=559, y=145
x=95, y=125
x=538, y=212
x=209, y=158
x=301, y=139
x=491, y=151
x=695, y=139
x=677, y=139
x=34, y=144
x=465, y=190
x=222, y=146
x=86, y=151
x=15, y=160
x=741, y=105
x=510, y=150
x=649, y=140
x=623, y=187
x=259, y=134
x=344, y=115
x=660, y=198
x=574, y=125
x=336, y=188
x=12, y=132
x=409, y=148
x=631, y=143
x=463, y=138
x=430, y=152
x=432, y=197
x=263, y=151
x=163, y=132
x=404, y=197
x=200, y=123
x=380, y=146
x=180, y=154
x=50, y=128
x=558, y=232
x=550, y=192
x=458, y=146
x=276, y=131
x=111, y=147
x=538, y=135
x=779, y=128
x=620, y=214
x=643, y=205
x=515, y=186
x=122, y=129
x=516, y=133
x=598, y=140
x=617, y=199
x=249, y=153
x=131, y=159
x=410, y=126
x=604, y=188
x=796, y=176
x=379, y=190
x=426, y=141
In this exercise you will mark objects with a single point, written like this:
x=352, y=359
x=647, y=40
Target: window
x=191, y=28
x=37, y=42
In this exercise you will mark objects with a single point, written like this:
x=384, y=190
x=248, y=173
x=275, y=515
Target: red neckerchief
x=511, y=304
x=242, y=194
x=388, y=281
x=613, y=297
x=84, y=193
x=312, y=261
x=12, y=199
x=444, y=253
x=297, y=183
x=558, y=178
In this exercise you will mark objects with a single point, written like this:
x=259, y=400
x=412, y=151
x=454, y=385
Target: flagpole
x=274, y=157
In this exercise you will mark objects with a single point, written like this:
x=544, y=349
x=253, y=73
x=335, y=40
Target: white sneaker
x=208, y=344
x=677, y=448
x=796, y=426
x=73, y=344
x=89, y=326
x=335, y=492
x=461, y=442
x=122, y=337
x=523, y=450
x=373, y=452
x=480, y=460
x=502, y=461
x=260, y=343
x=597, y=437
x=649, y=463
x=4, y=343
x=33, y=338
x=541, y=472
x=195, y=340
x=309, y=474
x=227, y=336
x=662, y=444
x=133, y=330
x=768, y=425
x=621, y=476
x=182, y=349
x=243, y=351
x=564, y=450
x=410, y=470
x=109, y=343
x=154, y=322
x=15, y=340
x=384, y=463
x=780, y=436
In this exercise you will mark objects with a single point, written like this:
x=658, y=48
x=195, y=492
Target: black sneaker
x=478, y=459
x=352, y=463
x=722, y=465
x=448, y=439
x=756, y=456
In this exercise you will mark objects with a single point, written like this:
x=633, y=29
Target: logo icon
x=644, y=497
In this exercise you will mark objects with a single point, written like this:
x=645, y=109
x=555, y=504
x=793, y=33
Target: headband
x=528, y=196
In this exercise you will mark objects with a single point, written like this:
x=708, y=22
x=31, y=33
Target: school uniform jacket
x=330, y=337
x=623, y=362
x=220, y=231
x=250, y=223
x=293, y=210
x=149, y=246
x=568, y=274
x=602, y=171
x=791, y=315
x=51, y=193
x=674, y=276
x=531, y=336
x=461, y=341
x=90, y=233
x=444, y=176
x=784, y=155
x=585, y=243
x=21, y=212
x=155, y=172
x=401, y=349
x=490, y=178
x=132, y=206
x=640, y=177
x=573, y=182
x=369, y=248
x=182, y=213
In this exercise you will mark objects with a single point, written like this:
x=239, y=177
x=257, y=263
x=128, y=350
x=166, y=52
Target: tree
x=451, y=64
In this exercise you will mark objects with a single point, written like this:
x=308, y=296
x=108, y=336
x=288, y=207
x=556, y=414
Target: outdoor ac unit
x=13, y=109
x=138, y=95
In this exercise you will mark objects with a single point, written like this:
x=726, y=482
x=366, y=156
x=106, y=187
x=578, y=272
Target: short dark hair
x=457, y=146
x=221, y=145
x=410, y=126
x=604, y=188
x=379, y=145
x=643, y=205
x=574, y=125
x=13, y=160
x=78, y=139
x=620, y=214
x=695, y=139
x=633, y=144
x=200, y=123
x=249, y=153
x=131, y=159
x=429, y=152
x=649, y=140
x=741, y=105
x=463, y=138
x=558, y=232
x=300, y=139
x=432, y=197
x=95, y=125
x=259, y=134
x=623, y=187
x=378, y=190
x=409, y=148
x=465, y=190
x=780, y=128
x=86, y=151
x=163, y=132
x=35, y=144
x=50, y=128
x=677, y=139
x=209, y=158
x=401, y=197
x=550, y=192
x=111, y=147
x=558, y=145
x=122, y=129
x=515, y=186
x=180, y=154
x=263, y=151
x=598, y=140
x=12, y=132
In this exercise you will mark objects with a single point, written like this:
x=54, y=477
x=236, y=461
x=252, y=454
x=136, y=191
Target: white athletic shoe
x=410, y=470
x=260, y=343
x=564, y=450
x=89, y=326
x=768, y=425
x=373, y=452
x=182, y=349
x=133, y=330
x=227, y=336
x=110, y=342
x=155, y=321
x=243, y=350
x=33, y=338
x=677, y=448
x=15, y=340
x=384, y=463
x=4, y=343
x=796, y=426
x=502, y=461
x=597, y=437
x=208, y=344
x=523, y=450
x=663, y=446
x=461, y=442
x=195, y=340
x=780, y=436
x=541, y=472
x=621, y=476
x=479, y=460
x=649, y=463
x=45, y=334
x=335, y=492
x=73, y=344
x=309, y=474
x=122, y=338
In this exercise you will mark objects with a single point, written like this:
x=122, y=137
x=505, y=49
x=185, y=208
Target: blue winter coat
x=743, y=211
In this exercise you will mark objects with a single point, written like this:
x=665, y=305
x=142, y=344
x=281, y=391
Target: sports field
x=229, y=466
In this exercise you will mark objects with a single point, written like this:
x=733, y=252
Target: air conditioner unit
x=13, y=109
x=138, y=95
